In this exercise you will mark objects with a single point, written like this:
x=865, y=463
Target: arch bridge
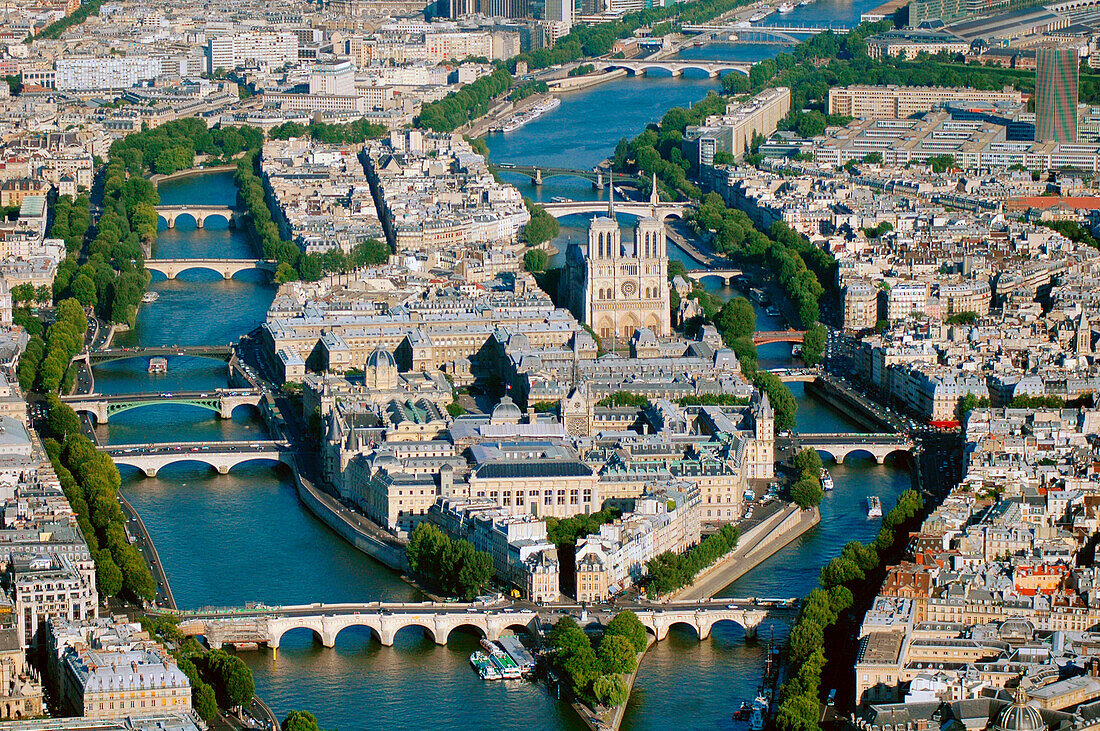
x=228, y=268
x=268, y=625
x=726, y=275
x=839, y=446
x=632, y=208
x=221, y=401
x=763, y=337
x=538, y=173
x=171, y=214
x=222, y=456
x=677, y=68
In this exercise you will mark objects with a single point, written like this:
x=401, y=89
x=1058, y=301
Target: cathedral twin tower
x=615, y=287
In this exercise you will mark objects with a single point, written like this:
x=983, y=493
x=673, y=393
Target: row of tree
x=330, y=134
x=454, y=568
x=71, y=221
x=840, y=580
x=667, y=572
x=171, y=147
x=469, y=102
x=46, y=365
x=567, y=531
x=595, y=674
x=90, y=482
x=806, y=491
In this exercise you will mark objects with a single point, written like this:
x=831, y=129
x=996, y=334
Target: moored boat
x=874, y=507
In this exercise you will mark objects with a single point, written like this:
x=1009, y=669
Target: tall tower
x=1056, y=76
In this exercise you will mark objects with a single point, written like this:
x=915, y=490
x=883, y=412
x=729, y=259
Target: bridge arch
x=689, y=625
x=315, y=626
x=466, y=627
x=375, y=629
x=429, y=631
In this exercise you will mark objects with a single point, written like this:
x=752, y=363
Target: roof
x=538, y=468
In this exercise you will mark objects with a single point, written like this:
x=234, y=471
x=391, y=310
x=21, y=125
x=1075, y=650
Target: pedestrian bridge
x=222, y=456
x=199, y=214
x=839, y=446
x=220, y=352
x=221, y=401
x=268, y=625
x=228, y=268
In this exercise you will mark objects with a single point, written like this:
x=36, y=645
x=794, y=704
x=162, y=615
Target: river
x=230, y=539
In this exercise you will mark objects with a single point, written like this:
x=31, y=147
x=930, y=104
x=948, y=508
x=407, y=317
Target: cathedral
x=617, y=287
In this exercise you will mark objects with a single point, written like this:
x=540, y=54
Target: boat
x=805, y=2
x=760, y=15
x=786, y=8
x=484, y=666
x=150, y=297
x=874, y=507
x=531, y=114
x=826, y=480
x=773, y=311
x=758, y=718
x=561, y=199
x=796, y=350
x=505, y=666
x=760, y=296
x=744, y=712
x=158, y=364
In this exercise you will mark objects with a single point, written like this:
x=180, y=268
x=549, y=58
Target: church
x=617, y=287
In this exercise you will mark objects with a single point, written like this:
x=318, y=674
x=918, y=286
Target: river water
x=230, y=539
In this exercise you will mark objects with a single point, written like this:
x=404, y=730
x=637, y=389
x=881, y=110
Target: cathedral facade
x=617, y=287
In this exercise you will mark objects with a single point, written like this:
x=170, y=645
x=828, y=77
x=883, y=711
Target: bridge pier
x=170, y=221
x=598, y=184
x=200, y=222
x=538, y=176
x=150, y=472
x=223, y=469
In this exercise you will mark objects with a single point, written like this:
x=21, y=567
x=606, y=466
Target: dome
x=1018, y=716
x=381, y=357
x=506, y=411
x=385, y=461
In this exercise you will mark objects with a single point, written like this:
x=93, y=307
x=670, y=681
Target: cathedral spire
x=654, y=196
x=611, y=198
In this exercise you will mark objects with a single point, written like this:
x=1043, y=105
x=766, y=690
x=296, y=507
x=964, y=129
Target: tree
x=808, y=462
x=807, y=493
x=61, y=420
x=736, y=319
x=813, y=344
x=205, y=702
x=108, y=577
x=617, y=655
x=626, y=624
x=610, y=690
x=300, y=721
x=535, y=260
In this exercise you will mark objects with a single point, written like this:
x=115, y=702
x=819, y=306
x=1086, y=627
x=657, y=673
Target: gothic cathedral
x=615, y=287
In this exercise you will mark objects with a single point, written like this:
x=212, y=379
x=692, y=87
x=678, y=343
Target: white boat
x=874, y=507
x=786, y=8
x=150, y=297
x=758, y=719
x=826, y=480
x=796, y=350
x=531, y=114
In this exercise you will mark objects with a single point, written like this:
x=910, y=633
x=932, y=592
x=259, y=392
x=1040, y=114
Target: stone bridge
x=222, y=456
x=726, y=275
x=631, y=208
x=171, y=214
x=268, y=625
x=840, y=445
x=221, y=401
x=170, y=268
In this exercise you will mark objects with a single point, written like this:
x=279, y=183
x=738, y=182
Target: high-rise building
x=1056, y=94
x=560, y=11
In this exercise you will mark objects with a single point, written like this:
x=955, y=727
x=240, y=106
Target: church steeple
x=654, y=196
x=611, y=197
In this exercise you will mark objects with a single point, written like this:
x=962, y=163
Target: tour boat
x=796, y=350
x=786, y=8
x=150, y=297
x=484, y=666
x=773, y=311
x=826, y=480
x=531, y=114
x=759, y=716
x=874, y=507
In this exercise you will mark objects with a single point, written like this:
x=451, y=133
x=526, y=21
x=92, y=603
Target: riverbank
x=191, y=172
x=755, y=546
x=576, y=83
x=612, y=718
x=348, y=525
x=149, y=551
